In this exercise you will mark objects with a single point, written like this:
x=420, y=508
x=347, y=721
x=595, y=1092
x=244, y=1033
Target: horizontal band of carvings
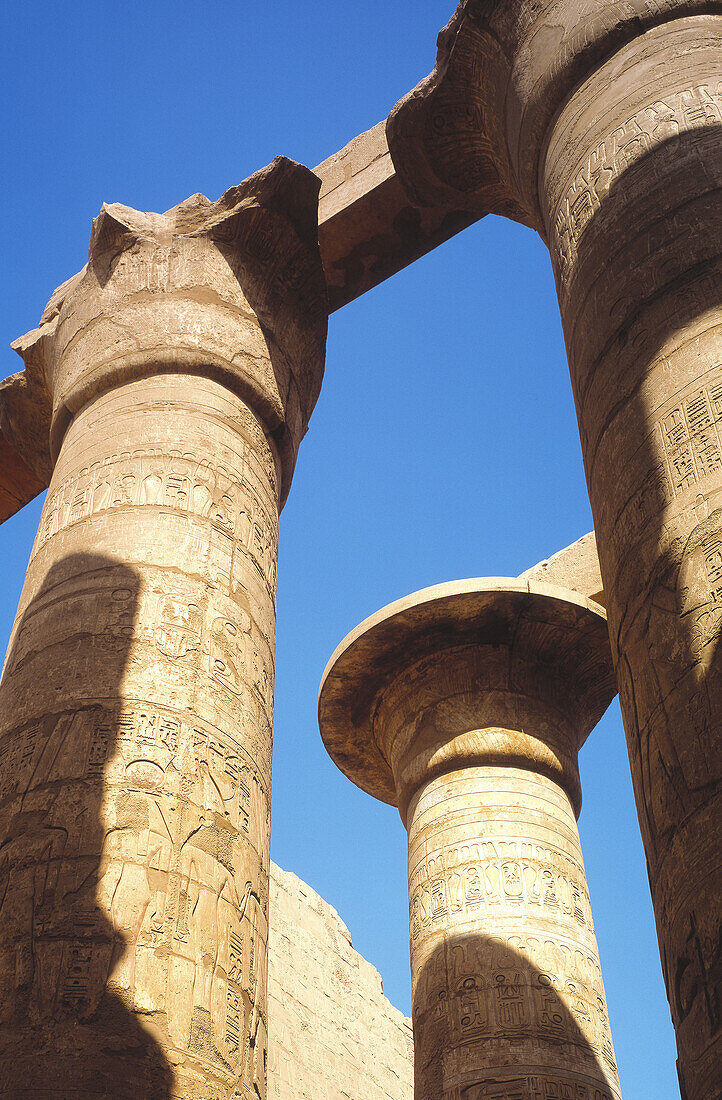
x=232, y=290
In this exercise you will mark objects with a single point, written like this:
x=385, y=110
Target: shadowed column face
x=466, y=705
x=505, y=968
x=136, y=700
x=633, y=186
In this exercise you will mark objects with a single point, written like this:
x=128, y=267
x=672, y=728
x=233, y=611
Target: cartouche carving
x=601, y=126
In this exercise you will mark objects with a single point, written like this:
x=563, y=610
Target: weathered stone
x=181, y=367
x=465, y=705
x=18, y=483
x=368, y=228
x=601, y=126
x=575, y=567
x=331, y=1032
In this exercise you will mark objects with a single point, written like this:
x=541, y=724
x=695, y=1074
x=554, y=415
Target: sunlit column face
x=467, y=704
x=135, y=745
x=507, y=987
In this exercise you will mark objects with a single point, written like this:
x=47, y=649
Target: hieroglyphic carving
x=649, y=127
x=461, y=879
x=533, y=1088
x=691, y=433
x=639, y=286
x=175, y=481
x=520, y=969
x=138, y=693
x=182, y=758
x=533, y=985
x=454, y=701
x=612, y=114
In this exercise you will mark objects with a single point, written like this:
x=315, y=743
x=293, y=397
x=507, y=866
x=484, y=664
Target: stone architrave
x=600, y=124
x=367, y=229
x=178, y=372
x=465, y=706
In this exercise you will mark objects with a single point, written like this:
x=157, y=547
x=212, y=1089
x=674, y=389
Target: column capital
x=468, y=673
x=470, y=136
x=465, y=705
x=233, y=290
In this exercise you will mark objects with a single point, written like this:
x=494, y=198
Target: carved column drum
x=465, y=706
x=136, y=701
x=632, y=199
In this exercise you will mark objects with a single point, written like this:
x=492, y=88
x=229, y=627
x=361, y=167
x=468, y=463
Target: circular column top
x=566, y=631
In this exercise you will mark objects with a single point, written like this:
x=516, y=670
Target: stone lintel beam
x=368, y=228
x=600, y=124
x=465, y=706
x=575, y=567
x=186, y=327
x=470, y=135
x=18, y=483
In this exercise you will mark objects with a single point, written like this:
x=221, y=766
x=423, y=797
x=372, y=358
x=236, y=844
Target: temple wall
x=332, y=1033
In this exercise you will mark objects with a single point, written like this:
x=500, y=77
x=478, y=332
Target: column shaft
x=507, y=986
x=466, y=705
x=631, y=181
x=169, y=384
x=135, y=753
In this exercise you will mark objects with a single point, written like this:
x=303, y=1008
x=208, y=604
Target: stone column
x=601, y=126
x=465, y=705
x=631, y=179
x=180, y=369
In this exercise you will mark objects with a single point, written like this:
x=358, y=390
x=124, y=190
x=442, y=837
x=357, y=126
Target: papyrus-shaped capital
x=232, y=290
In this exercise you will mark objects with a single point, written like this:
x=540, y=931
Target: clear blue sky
x=444, y=444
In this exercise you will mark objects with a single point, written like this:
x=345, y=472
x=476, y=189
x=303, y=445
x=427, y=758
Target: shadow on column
x=488, y=1025
x=653, y=479
x=65, y=1030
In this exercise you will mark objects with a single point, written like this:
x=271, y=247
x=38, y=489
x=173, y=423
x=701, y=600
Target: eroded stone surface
x=508, y=991
x=368, y=230
x=645, y=348
x=466, y=705
x=136, y=702
x=575, y=567
x=368, y=227
x=332, y=1033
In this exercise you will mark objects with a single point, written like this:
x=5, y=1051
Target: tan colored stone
x=368, y=228
x=181, y=367
x=601, y=126
x=465, y=705
x=332, y=1034
x=18, y=483
x=575, y=567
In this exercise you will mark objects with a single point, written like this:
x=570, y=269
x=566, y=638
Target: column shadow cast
x=68, y=1028
x=489, y=1025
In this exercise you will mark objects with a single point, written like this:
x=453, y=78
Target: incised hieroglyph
x=168, y=386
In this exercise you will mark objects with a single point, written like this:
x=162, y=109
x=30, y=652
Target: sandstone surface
x=465, y=705
x=332, y=1033
x=600, y=125
x=168, y=388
